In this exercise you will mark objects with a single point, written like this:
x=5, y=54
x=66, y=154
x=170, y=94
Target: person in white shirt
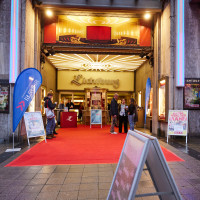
x=123, y=116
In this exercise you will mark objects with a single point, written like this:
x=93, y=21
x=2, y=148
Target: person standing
x=131, y=113
x=80, y=111
x=50, y=115
x=70, y=105
x=123, y=116
x=114, y=113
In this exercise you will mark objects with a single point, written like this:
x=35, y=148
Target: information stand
x=177, y=123
x=95, y=117
x=34, y=125
x=140, y=149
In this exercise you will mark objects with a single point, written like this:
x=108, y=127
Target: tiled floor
x=68, y=182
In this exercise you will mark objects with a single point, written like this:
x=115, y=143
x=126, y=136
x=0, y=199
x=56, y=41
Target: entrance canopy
x=96, y=62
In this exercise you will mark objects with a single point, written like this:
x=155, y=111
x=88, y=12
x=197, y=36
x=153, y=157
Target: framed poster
x=192, y=94
x=34, y=125
x=177, y=123
x=96, y=117
x=4, y=96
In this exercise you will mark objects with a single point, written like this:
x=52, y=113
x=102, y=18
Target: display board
x=34, y=125
x=4, y=96
x=140, y=149
x=177, y=123
x=192, y=94
x=96, y=117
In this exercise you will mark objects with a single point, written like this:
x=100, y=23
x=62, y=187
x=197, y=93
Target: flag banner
x=26, y=85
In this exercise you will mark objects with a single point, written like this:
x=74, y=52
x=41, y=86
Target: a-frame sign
x=140, y=149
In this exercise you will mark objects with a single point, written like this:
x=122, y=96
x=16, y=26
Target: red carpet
x=80, y=145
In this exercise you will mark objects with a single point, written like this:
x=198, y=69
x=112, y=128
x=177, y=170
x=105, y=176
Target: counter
x=68, y=119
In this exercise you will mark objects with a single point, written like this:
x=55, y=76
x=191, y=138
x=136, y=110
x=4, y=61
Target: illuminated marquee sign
x=80, y=80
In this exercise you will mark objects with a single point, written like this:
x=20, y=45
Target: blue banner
x=147, y=96
x=26, y=86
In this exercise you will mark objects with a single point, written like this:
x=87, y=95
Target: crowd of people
x=121, y=114
x=124, y=113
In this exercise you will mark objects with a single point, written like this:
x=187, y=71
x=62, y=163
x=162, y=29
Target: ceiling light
x=147, y=16
x=49, y=13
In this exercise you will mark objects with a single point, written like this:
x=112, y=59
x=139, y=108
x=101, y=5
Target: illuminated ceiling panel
x=97, y=62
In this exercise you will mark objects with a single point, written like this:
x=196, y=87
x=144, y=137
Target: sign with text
x=192, y=94
x=177, y=123
x=140, y=149
x=96, y=117
x=34, y=125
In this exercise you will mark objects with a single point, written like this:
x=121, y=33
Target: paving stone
x=47, y=195
x=61, y=169
x=13, y=190
x=106, y=173
x=103, y=194
x=5, y=182
x=105, y=179
x=89, y=174
x=8, y=197
x=47, y=169
x=43, y=176
x=26, y=196
x=70, y=195
x=104, y=186
x=27, y=176
x=58, y=175
x=89, y=186
x=33, y=189
x=89, y=179
x=56, y=181
x=74, y=175
x=20, y=182
x=38, y=181
x=88, y=195
x=51, y=188
x=188, y=190
x=72, y=180
x=191, y=196
x=70, y=187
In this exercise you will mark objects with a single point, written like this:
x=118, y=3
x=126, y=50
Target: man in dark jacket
x=50, y=119
x=114, y=112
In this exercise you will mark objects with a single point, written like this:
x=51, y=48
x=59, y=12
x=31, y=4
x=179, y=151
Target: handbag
x=49, y=113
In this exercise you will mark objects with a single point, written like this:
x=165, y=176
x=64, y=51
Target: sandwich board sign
x=140, y=149
x=96, y=117
x=34, y=125
x=177, y=123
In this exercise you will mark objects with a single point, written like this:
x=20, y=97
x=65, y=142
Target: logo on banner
x=69, y=118
x=20, y=106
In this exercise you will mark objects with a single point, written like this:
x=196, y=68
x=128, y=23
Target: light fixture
x=147, y=16
x=49, y=13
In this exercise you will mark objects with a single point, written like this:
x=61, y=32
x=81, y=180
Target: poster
x=178, y=122
x=34, y=124
x=162, y=90
x=192, y=94
x=96, y=116
x=4, y=96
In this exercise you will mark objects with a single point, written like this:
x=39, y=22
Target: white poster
x=34, y=124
